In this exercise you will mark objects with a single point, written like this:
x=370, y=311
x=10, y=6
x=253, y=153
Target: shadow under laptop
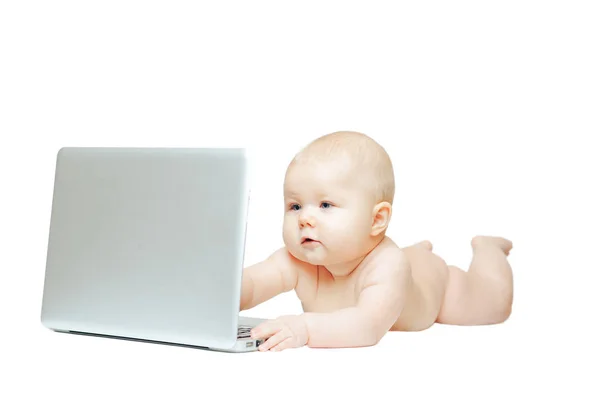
x=146, y=341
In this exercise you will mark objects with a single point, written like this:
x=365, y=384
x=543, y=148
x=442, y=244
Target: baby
x=353, y=281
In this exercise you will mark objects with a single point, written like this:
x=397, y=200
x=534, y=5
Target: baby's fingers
x=287, y=343
x=273, y=341
x=265, y=330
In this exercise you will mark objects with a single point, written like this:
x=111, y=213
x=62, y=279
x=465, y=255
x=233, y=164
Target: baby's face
x=328, y=216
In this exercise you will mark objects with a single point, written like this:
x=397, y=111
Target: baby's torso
x=319, y=291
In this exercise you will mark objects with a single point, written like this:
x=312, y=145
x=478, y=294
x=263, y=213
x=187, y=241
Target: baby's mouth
x=308, y=241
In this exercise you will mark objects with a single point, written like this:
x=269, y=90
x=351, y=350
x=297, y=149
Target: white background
x=490, y=113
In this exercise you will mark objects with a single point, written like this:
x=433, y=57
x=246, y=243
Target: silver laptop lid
x=147, y=243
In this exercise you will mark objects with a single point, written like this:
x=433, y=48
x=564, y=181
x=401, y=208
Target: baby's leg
x=484, y=294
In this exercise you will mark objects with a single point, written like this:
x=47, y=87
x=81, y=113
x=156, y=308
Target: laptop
x=147, y=244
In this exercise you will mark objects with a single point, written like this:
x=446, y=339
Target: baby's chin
x=311, y=256
x=320, y=256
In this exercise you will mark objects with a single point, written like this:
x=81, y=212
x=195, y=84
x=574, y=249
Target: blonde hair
x=367, y=156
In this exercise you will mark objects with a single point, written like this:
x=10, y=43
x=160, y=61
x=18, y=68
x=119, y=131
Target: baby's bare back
x=319, y=291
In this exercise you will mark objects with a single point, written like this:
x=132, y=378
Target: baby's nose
x=306, y=220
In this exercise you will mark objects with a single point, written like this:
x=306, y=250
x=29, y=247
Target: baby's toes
x=502, y=243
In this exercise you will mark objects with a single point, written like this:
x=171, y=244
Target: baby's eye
x=326, y=205
x=295, y=207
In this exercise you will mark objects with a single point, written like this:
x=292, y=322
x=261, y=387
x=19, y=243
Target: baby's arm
x=379, y=305
x=271, y=277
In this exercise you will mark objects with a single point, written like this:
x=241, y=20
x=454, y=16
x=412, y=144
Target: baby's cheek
x=348, y=245
x=290, y=242
x=351, y=241
x=287, y=235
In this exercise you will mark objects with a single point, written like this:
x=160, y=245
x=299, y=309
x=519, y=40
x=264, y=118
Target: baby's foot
x=504, y=244
x=425, y=245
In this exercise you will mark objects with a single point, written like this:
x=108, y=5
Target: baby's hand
x=282, y=333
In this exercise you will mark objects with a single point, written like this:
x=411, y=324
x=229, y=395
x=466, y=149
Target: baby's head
x=338, y=195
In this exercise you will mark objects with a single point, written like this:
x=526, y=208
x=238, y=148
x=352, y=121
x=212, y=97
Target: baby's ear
x=382, y=213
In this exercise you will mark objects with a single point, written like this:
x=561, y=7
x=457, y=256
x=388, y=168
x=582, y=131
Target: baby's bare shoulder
x=386, y=260
x=289, y=264
x=303, y=275
x=388, y=250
